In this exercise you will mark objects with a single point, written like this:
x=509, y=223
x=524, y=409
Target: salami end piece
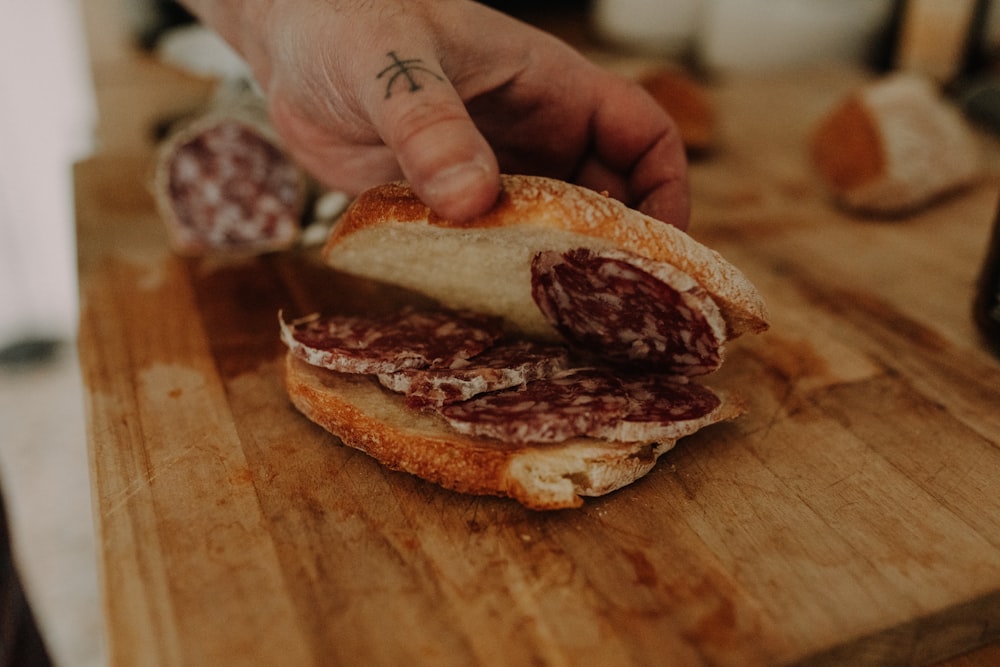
x=630, y=310
x=223, y=184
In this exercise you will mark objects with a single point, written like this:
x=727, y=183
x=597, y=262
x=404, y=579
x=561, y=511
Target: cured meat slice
x=630, y=310
x=571, y=403
x=500, y=367
x=385, y=344
x=223, y=184
x=592, y=402
x=663, y=407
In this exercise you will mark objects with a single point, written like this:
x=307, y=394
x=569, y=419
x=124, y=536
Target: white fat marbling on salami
x=390, y=343
x=630, y=310
x=231, y=188
x=503, y=366
x=571, y=403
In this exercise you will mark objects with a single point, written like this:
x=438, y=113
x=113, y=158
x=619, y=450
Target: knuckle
x=417, y=120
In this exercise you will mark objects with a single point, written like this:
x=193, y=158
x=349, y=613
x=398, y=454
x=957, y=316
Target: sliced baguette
x=367, y=417
x=389, y=235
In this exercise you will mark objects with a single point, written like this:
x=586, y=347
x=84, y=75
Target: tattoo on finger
x=407, y=70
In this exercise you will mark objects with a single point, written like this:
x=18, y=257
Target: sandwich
x=560, y=357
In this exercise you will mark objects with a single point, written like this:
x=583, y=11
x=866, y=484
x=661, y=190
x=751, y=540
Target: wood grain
x=852, y=517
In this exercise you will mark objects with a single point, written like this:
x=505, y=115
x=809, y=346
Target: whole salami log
x=389, y=343
x=223, y=183
x=629, y=310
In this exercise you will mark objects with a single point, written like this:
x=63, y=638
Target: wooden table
x=852, y=517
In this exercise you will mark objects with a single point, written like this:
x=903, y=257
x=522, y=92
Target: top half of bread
x=389, y=235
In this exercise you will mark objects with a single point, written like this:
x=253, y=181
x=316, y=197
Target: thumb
x=422, y=119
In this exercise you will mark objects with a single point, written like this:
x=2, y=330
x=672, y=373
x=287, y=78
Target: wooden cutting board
x=852, y=517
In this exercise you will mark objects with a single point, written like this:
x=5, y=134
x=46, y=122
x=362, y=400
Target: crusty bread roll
x=389, y=235
x=894, y=146
x=687, y=102
x=542, y=477
x=632, y=410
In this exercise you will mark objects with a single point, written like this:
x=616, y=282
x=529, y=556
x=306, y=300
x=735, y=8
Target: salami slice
x=406, y=339
x=500, y=367
x=571, y=403
x=663, y=407
x=630, y=310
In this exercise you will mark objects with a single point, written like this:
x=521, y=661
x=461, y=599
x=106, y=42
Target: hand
x=447, y=93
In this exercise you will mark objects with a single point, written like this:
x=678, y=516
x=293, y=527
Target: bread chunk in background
x=688, y=103
x=894, y=146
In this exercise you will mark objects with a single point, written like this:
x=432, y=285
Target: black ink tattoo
x=404, y=68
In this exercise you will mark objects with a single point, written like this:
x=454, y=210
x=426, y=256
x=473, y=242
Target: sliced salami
x=500, y=367
x=230, y=188
x=630, y=310
x=571, y=403
x=662, y=407
x=386, y=344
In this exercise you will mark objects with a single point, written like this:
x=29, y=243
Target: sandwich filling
x=635, y=332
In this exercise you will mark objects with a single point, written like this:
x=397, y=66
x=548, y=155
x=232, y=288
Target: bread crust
x=893, y=146
x=539, y=213
x=846, y=147
x=369, y=418
x=687, y=102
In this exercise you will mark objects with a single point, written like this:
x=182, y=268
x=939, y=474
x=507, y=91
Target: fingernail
x=456, y=182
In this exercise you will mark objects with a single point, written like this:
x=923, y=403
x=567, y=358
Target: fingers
x=422, y=119
x=349, y=162
x=379, y=104
x=659, y=181
x=410, y=123
x=635, y=139
x=360, y=96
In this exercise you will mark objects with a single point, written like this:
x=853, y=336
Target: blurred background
x=60, y=70
x=49, y=111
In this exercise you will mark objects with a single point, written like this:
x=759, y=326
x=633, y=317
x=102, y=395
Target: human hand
x=447, y=93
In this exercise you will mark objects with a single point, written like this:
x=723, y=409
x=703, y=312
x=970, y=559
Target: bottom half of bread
x=364, y=415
